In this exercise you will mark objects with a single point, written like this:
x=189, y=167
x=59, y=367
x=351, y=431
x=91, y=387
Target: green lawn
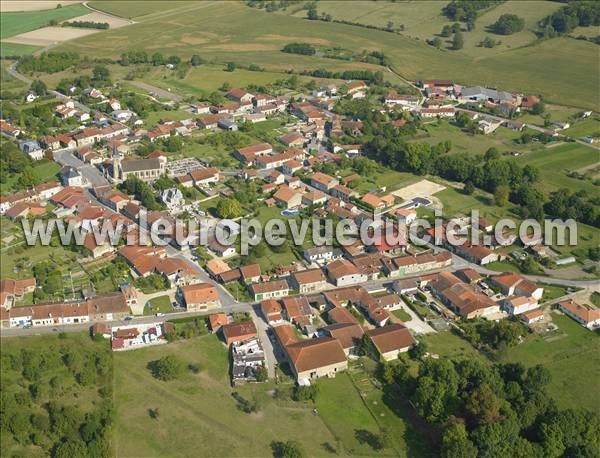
x=572, y=355
x=454, y=201
x=9, y=82
x=448, y=345
x=402, y=315
x=584, y=127
x=347, y=415
x=552, y=292
x=198, y=412
x=14, y=23
x=160, y=304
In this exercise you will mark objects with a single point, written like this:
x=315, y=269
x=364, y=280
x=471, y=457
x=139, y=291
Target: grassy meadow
x=15, y=49
x=572, y=354
x=557, y=68
x=198, y=411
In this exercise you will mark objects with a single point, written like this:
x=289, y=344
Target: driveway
x=416, y=324
x=262, y=327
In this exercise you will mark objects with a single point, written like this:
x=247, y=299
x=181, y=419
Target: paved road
x=14, y=332
x=90, y=172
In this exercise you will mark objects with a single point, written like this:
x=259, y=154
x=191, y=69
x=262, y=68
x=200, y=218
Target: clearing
x=423, y=188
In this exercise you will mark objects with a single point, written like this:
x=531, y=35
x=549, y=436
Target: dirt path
x=158, y=91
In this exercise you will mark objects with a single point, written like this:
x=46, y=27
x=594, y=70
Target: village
x=314, y=313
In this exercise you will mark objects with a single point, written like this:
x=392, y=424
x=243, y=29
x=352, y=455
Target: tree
x=167, y=368
x=230, y=67
x=501, y=194
x=437, y=42
x=507, y=24
x=157, y=59
x=196, y=60
x=70, y=449
x=418, y=351
x=538, y=108
x=455, y=442
x=458, y=41
x=100, y=73
x=488, y=42
x=446, y=31
x=261, y=374
x=229, y=208
x=483, y=405
x=491, y=154
x=469, y=188
x=312, y=13
x=38, y=87
x=288, y=449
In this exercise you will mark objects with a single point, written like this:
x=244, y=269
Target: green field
x=45, y=170
x=136, y=8
x=200, y=82
x=424, y=20
x=558, y=68
x=555, y=162
x=572, y=354
x=14, y=23
x=14, y=49
x=584, y=127
x=198, y=412
x=160, y=304
x=501, y=139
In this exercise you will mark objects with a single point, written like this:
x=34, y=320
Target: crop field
x=584, y=127
x=231, y=31
x=14, y=23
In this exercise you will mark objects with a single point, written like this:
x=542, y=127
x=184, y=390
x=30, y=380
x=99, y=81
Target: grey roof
x=29, y=145
x=137, y=165
x=69, y=172
x=479, y=92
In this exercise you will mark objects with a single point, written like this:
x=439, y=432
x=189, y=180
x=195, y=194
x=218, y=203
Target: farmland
x=15, y=49
x=14, y=23
x=233, y=32
x=137, y=8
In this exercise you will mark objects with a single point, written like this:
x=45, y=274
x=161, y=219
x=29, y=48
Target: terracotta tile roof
x=296, y=307
x=340, y=268
x=341, y=315
x=234, y=331
x=217, y=320
x=349, y=334
x=200, y=293
x=250, y=271
x=268, y=287
x=285, y=334
x=312, y=354
x=587, y=314
x=308, y=276
x=390, y=338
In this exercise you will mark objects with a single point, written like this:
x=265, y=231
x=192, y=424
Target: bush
x=167, y=368
x=507, y=24
x=299, y=48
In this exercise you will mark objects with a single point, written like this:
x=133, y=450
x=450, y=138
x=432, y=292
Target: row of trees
x=300, y=48
x=467, y=10
x=87, y=25
x=48, y=62
x=507, y=24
